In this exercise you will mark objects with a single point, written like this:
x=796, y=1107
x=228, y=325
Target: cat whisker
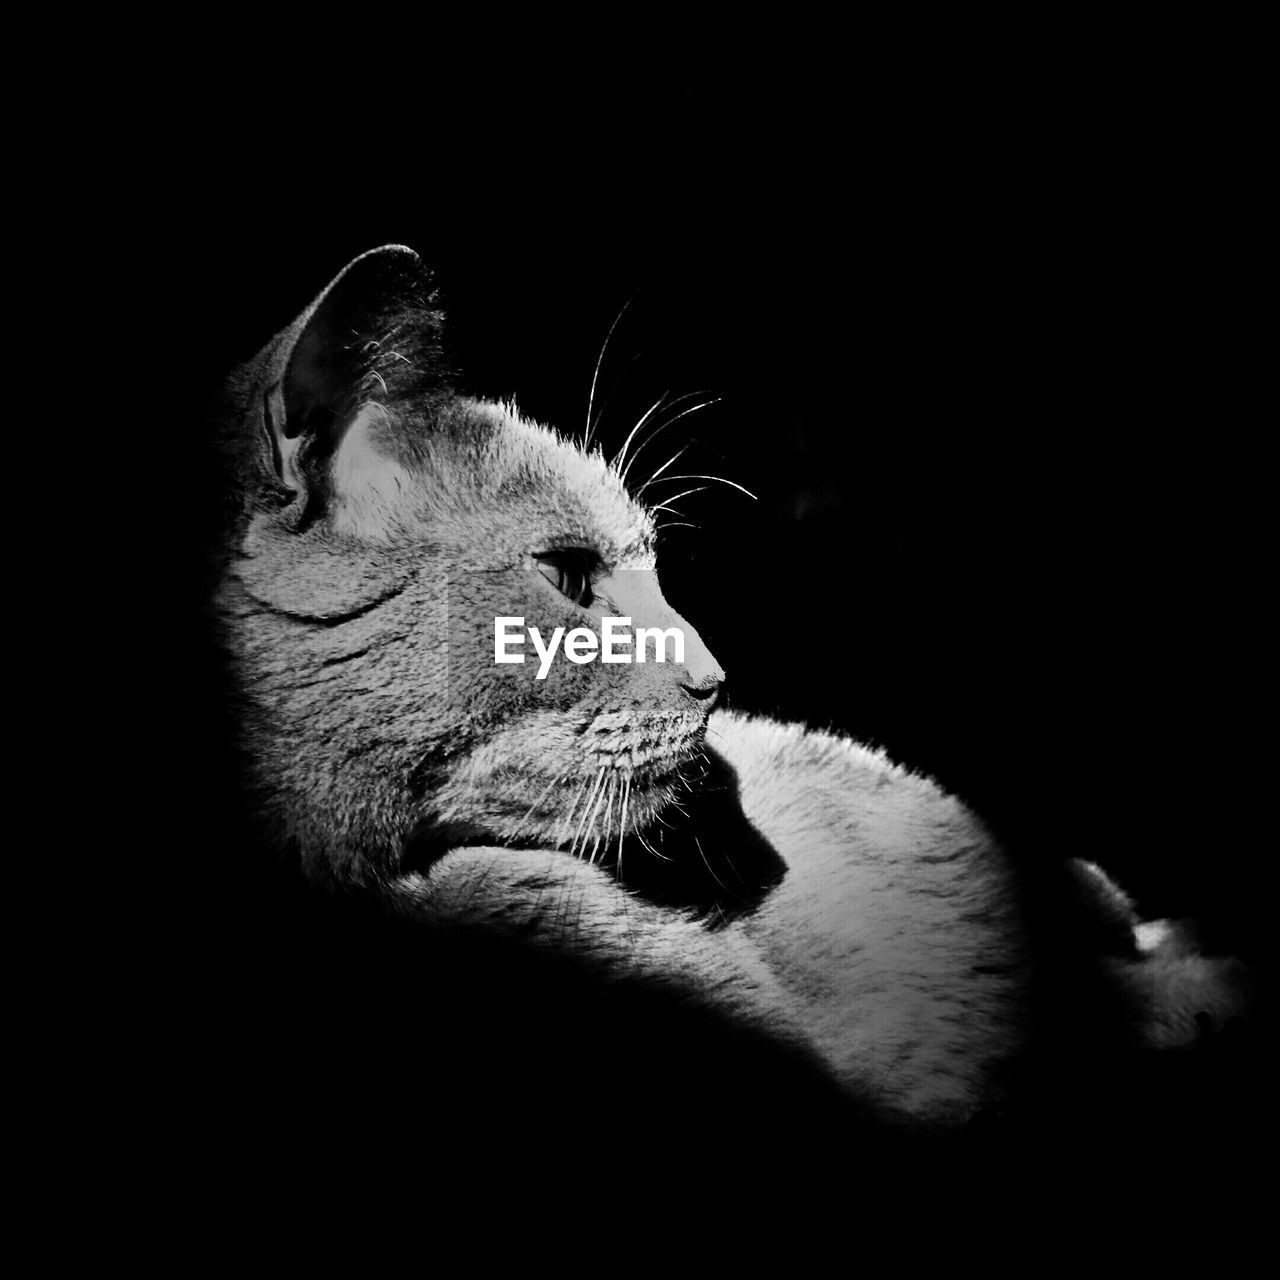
x=604, y=823
x=528, y=813
x=662, y=857
x=670, y=422
x=575, y=823
x=719, y=480
x=659, y=427
x=678, y=454
x=601, y=846
x=617, y=382
x=604, y=346
x=567, y=825
x=686, y=493
x=591, y=821
x=615, y=793
x=622, y=821
x=622, y=453
x=710, y=868
x=583, y=818
x=593, y=805
x=617, y=871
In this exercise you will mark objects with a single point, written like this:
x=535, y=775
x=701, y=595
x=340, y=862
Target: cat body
x=790, y=881
x=892, y=946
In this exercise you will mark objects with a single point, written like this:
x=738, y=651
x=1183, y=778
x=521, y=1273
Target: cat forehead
x=483, y=463
x=541, y=470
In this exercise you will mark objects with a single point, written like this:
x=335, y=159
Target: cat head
x=381, y=524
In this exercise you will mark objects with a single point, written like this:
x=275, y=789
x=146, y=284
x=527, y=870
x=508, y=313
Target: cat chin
x=595, y=812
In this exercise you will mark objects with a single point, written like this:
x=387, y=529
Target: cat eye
x=569, y=572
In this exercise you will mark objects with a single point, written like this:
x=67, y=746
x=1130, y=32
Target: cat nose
x=702, y=675
x=706, y=691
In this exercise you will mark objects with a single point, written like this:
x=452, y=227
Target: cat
x=793, y=888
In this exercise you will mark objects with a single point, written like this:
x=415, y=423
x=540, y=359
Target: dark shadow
x=704, y=856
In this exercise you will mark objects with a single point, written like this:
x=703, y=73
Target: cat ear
x=370, y=334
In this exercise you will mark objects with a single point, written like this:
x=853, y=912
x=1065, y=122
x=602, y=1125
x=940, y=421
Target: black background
x=985, y=332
